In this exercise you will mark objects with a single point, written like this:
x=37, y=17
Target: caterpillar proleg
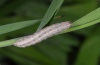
x=42, y=34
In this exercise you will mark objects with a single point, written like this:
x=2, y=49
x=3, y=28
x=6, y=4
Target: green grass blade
x=15, y=26
x=55, y=5
x=7, y=42
x=88, y=20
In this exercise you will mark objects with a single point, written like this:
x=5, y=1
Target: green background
x=22, y=17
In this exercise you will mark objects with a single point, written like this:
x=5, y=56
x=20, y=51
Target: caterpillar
x=42, y=34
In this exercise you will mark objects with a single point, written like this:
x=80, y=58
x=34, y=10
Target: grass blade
x=55, y=5
x=88, y=20
x=15, y=26
x=7, y=42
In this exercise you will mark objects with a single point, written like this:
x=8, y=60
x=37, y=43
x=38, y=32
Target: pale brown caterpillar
x=42, y=34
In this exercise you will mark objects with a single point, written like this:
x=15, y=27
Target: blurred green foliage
x=80, y=47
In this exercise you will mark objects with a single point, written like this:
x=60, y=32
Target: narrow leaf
x=88, y=20
x=15, y=26
x=55, y=5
